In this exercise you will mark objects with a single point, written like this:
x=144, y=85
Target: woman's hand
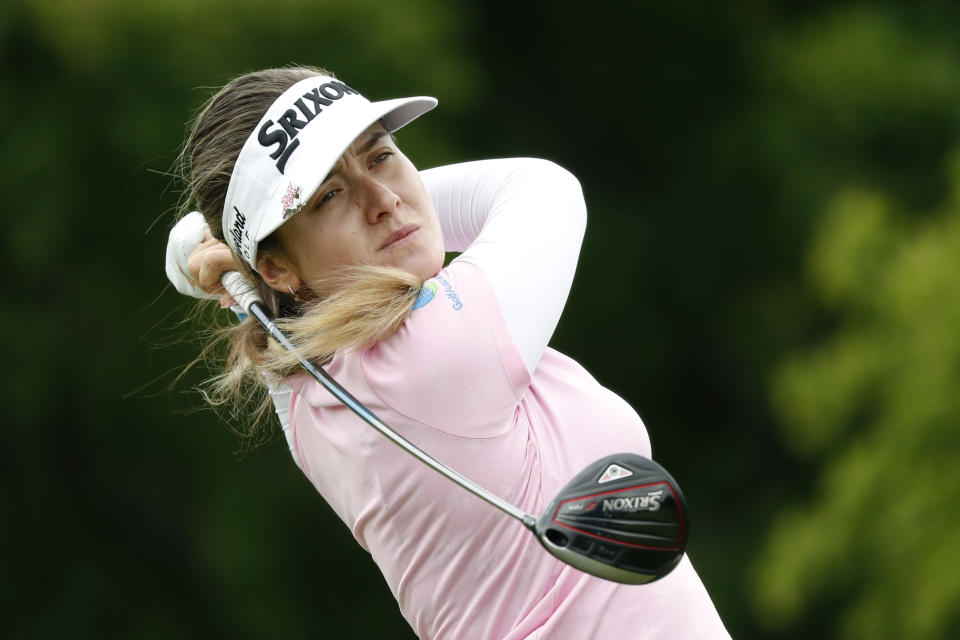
x=196, y=260
x=207, y=264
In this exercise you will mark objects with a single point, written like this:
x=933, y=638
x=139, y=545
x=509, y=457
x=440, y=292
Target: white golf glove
x=184, y=239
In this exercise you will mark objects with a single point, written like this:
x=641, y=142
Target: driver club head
x=623, y=518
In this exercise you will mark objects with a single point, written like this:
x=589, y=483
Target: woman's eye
x=381, y=157
x=327, y=197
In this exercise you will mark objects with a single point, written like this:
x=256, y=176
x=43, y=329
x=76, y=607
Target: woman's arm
x=522, y=222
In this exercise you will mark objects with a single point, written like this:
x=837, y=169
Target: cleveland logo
x=284, y=131
x=238, y=232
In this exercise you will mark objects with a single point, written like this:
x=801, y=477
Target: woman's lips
x=399, y=237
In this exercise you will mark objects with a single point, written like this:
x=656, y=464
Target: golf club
x=623, y=518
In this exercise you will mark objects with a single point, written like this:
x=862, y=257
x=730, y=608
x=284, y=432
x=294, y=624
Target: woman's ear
x=279, y=273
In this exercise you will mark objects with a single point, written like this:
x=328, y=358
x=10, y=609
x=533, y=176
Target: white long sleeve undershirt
x=521, y=221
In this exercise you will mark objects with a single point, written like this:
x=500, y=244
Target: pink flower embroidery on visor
x=291, y=201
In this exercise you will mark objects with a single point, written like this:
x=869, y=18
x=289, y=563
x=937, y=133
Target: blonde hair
x=368, y=303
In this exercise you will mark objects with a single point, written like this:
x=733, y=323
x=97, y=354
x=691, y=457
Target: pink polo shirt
x=453, y=381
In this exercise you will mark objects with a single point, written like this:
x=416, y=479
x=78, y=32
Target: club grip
x=238, y=287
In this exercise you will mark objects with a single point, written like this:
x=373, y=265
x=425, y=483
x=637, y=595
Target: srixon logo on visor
x=284, y=131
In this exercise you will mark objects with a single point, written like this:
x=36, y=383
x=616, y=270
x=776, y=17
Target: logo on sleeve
x=448, y=291
x=427, y=293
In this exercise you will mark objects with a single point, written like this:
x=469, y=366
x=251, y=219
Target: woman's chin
x=420, y=265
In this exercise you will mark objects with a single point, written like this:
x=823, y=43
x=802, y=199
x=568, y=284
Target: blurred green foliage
x=876, y=399
x=767, y=277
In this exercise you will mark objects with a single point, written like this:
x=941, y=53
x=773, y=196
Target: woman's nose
x=379, y=200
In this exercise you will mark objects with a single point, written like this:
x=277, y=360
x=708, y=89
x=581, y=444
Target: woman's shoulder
x=453, y=364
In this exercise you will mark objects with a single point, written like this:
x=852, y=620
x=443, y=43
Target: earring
x=294, y=294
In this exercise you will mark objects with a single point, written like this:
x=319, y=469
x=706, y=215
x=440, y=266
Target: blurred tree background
x=769, y=277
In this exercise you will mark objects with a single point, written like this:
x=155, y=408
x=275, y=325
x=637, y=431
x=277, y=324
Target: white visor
x=293, y=148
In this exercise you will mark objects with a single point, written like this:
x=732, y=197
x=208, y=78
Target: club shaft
x=249, y=300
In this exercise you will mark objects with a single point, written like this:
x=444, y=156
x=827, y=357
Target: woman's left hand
x=196, y=261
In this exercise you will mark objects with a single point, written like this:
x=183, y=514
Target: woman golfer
x=344, y=240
